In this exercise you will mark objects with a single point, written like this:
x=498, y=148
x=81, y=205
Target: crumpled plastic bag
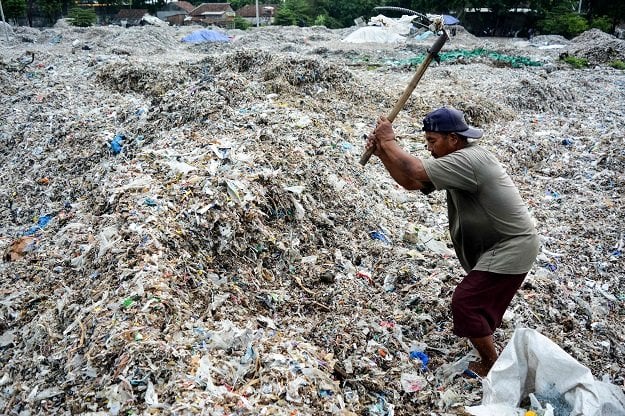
x=532, y=363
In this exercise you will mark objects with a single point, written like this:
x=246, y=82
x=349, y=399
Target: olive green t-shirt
x=489, y=223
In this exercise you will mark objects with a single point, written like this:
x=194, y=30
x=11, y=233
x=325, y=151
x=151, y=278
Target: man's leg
x=478, y=305
x=485, y=346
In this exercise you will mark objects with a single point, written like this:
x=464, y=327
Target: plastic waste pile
x=189, y=231
x=597, y=47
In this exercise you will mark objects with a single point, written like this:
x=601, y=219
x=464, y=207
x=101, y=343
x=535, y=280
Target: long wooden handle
x=410, y=88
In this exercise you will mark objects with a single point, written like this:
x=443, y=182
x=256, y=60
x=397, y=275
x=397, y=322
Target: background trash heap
x=186, y=228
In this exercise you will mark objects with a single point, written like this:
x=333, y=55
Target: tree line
x=564, y=17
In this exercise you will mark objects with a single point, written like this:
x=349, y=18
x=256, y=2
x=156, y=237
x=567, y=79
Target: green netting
x=514, y=61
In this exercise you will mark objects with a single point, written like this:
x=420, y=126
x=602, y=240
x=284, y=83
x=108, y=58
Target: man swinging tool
x=491, y=230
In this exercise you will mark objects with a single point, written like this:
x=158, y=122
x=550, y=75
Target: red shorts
x=480, y=300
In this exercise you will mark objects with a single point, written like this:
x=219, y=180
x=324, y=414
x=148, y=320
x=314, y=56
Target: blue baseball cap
x=450, y=120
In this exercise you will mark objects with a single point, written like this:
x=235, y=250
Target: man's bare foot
x=485, y=346
x=480, y=368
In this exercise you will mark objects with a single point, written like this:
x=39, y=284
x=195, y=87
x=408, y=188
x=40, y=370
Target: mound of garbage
x=598, y=47
x=186, y=228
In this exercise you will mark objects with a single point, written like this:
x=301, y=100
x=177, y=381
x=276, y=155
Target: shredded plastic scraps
x=186, y=228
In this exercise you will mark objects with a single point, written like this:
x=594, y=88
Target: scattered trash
x=116, y=143
x=41, y=223
x=426, y=238
x=19, y=248
x=379, y=235
x=56, y=39
x=389, y=282
x=421, y=356
x=412, y=382
x=186, y=228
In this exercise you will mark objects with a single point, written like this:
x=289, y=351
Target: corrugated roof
x=184, y=5
x=211, y=8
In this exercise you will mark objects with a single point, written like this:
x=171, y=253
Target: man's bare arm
x=407, y=170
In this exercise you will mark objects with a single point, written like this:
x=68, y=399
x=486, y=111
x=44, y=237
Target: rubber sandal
x=471, y=374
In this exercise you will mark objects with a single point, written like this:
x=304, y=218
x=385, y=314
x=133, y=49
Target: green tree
x=14, y=9
x=433, y=6
x=327, y=21
x=602, y=23
x=237, y=4
x=568, y=25
x=51, y=9
x=30, y=9
x=346, y=11
x=295, y=12
x=241, y=23
x=553, y=13
x=152, y=6
x=591, y=10
x=501, y=11
x=82, y=17
x=613, y=8
x=285, y=17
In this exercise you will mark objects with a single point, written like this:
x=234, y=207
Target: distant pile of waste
x=597, y=47
x=206, y=35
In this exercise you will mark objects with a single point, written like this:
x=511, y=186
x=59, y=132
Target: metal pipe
x=257, y=16
x=6, y=29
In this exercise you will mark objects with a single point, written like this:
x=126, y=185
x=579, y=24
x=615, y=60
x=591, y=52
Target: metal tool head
x=437, y=25
x=419, y=18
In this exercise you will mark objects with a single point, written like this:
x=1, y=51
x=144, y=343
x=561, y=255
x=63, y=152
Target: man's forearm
x=404, y=168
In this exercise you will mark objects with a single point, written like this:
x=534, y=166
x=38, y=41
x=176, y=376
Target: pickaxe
x=432, y=54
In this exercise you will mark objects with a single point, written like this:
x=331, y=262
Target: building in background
x=212, y=14
x=501, y=23
x=176, y=12
x=129, y=17
x=266, y=13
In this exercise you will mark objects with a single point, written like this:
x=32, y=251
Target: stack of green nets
x=513, y=61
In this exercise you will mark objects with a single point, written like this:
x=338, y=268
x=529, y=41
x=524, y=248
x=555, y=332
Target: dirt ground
x=186, y=229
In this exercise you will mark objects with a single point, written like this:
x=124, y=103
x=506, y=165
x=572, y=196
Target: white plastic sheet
x=533, y=364
x=373, y=34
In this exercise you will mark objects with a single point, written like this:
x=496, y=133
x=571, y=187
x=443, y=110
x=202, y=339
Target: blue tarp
x=450, y=20
x=205, y=35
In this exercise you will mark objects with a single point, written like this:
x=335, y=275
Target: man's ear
x=457, y=139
